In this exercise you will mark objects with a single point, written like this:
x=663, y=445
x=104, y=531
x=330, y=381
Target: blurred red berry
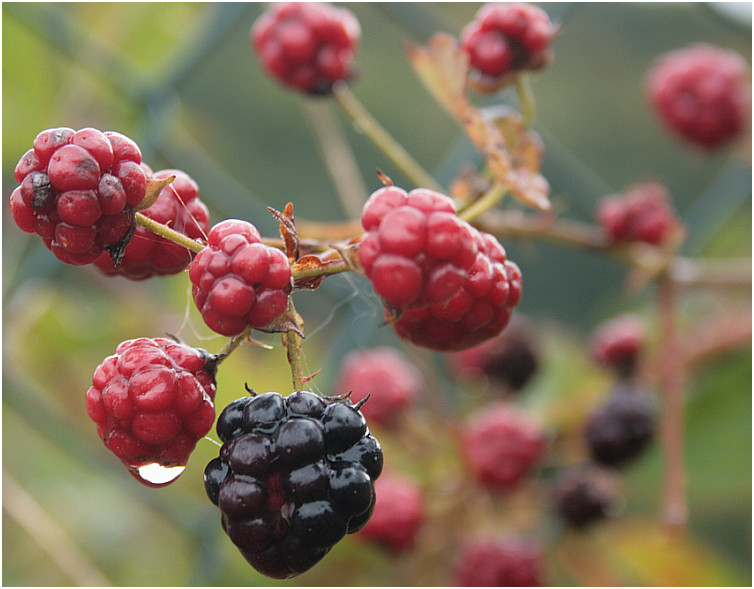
x=618, y=342
x=702, y=93
x=384, y=374
x=498, y=561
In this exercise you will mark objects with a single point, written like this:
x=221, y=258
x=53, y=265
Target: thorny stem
x=674, y=508
x=232, y=345
x=168, y=233
x=381, y=138
x=292, y=341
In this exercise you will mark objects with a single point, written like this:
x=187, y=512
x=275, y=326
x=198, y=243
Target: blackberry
x=499, y=561
x=618, y=432
x=294, y=475
x=584, y=496
x=617, y=344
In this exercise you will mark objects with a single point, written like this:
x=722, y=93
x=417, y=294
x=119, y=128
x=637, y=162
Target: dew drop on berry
x=156, y=475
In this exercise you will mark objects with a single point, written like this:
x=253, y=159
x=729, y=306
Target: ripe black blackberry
x=618, y=432
x=294, y=475
x=582, y=496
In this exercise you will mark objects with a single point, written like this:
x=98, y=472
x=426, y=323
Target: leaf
x=512, y=152
x=288, y=231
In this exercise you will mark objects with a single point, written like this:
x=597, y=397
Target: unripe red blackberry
x=501, y=445
x=510, y=359
x=307, y=46
x=505, y=39
x=618, y=431
x=398, y=513
x=643, y=213
x=583, y=496
x=294, y=475
x=390, y=381
x=617, y=344
x=498, y=561
x=148, y=254
x=702, y=93
x=78, y=190
x=238, y=281
x=152, y=402
x=445, y=285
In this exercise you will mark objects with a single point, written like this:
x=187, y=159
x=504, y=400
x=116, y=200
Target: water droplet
x=156, y=475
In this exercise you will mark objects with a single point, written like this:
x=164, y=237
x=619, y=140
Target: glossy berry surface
x=504, y=39
x=643, y=212
x=584, y=496
x=445, y=285
x=398, y=513
x=78, y=190
x=390, y=381
x=618, y=342
x=500, y=446
x=499, y=561
x=702, y=93
x=294, y=475
x=152, y=401
x=509, y=359
x=237, y=281
x=618, y=431
x=148, y=254
x=307, y=46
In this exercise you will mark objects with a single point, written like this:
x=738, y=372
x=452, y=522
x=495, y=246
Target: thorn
x=360, y=404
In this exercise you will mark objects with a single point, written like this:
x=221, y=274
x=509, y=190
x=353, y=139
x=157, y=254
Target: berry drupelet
x=702, y=93
x=152, y=402
x=78, y=191
x=294, y=475
x=148, y=254
x=238, y=281
x=505, y=39
x=445, y=285
x=307, y=46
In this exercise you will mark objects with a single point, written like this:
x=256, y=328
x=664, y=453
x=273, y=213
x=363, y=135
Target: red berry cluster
x=152, y=402
x=617, y=343
x=501, y=446
x=642, y=213
x=78, y=190
x=238, y=281
x=445, y=285
x=702, y=93
x=498, y=561
x=384, y=375
x=307, y=46
x=504, y=39
x=147, y=254
x=399, y=512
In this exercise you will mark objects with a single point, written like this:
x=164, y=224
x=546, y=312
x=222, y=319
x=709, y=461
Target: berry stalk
x=168, y=233
x=526, y=98
x=381, y=138
x=483, y=204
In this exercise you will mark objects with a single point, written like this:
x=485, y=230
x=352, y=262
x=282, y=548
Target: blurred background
x=180, y=79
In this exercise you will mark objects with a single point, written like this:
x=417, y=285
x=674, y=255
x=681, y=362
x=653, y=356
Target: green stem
x=168, y=233
x=293, y=341
x=382, y=139
x=232, y=345
x=526, y=98
x=484, y=203
x=329, y=268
